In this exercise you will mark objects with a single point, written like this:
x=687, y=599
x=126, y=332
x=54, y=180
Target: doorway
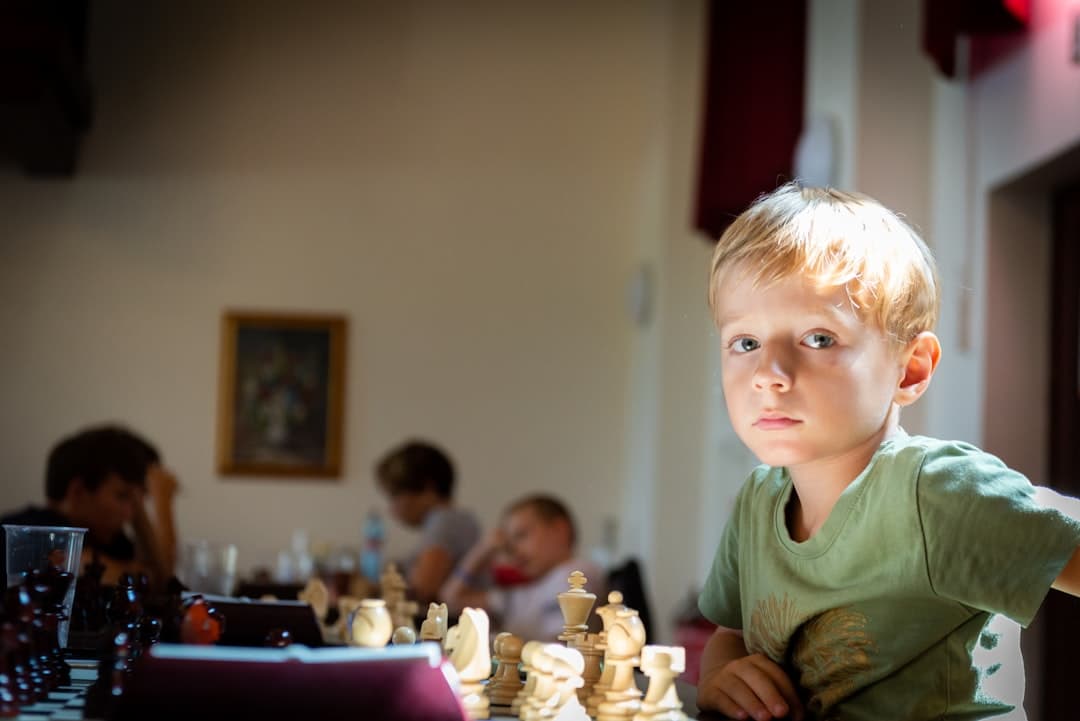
x=1061, y=612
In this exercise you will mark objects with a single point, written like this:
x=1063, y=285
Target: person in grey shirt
x=418, y=479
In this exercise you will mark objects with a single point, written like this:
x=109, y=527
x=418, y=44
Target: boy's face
x=411, y=508
x=806, y=381
x=106, y=509
x=534, y=544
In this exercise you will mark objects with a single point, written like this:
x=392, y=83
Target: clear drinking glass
x=209, y=567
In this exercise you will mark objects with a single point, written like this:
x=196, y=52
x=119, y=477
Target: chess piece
x=661, y=665
x=371, y=625
x=434, y=626
x=543, y=684
x=347, y=606
x=588, y=645
x=625, y=638
x=505, y=683
x=316, y=595
x=403, y=636
x=202, y=624
x=278, y=638
x=575, y=604
x=472, y=661
x=566, y=667
x=607, y=616
x=526, y=692
x=453, y=634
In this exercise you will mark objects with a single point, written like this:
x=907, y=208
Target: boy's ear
x=920, y=357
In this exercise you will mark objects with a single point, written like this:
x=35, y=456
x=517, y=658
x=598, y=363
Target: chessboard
x=64, y=703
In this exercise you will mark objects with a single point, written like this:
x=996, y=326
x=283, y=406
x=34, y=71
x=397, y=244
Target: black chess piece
x=9, y=704
x=21, y=606
x=113, y=669
x=278, y=638
x=19, y=682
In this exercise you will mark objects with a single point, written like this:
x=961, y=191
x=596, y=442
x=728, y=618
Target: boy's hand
x=750, y=687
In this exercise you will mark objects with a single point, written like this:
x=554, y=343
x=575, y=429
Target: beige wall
x=472, y=184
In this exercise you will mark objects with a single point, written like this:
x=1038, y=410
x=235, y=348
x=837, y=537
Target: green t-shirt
x=897, y=607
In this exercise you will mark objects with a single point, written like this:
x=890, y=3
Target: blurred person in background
x=418, y=478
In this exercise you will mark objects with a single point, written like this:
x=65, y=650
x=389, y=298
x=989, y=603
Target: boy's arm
x=1069, y=578
x=430, y=569
x=465, y=587
x=741, y=685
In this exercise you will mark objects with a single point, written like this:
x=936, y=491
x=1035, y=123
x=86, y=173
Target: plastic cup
x=38, y=548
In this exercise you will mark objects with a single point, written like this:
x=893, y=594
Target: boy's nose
x=772, y=373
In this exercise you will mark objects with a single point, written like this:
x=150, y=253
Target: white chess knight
x=565, y=667
x=526, y=692
x=471, y=658
x=661, y=665
x=434, y=626
x=316, y=595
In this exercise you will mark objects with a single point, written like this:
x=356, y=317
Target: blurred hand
x=750, y=687
x=161, y=483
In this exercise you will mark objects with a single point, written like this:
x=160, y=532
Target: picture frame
x=281, y=394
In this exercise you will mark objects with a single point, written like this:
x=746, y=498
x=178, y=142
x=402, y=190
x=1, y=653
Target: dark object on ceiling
x=753, y=106
x=45, y=96
x=946, y=20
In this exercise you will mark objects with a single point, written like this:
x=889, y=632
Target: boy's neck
x=818, y=485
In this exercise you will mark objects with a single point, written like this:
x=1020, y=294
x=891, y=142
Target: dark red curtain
x=753, y=105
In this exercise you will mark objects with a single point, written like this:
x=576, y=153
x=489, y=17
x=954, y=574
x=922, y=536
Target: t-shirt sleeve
x=720, y=600
x=993, y=541
x=453, y=531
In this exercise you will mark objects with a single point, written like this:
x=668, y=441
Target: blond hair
x=835, y=239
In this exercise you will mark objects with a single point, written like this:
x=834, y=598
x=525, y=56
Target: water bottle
x=371, y=553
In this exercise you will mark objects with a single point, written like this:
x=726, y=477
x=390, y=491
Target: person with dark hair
x=98, y=479
x=418, y=479
x=538, y=536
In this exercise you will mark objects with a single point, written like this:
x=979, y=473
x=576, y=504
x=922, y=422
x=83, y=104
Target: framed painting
x=281, y=394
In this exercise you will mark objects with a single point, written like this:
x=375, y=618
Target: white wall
x=472, y=184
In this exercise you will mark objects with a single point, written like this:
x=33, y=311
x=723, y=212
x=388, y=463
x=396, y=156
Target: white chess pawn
x=661, y=665
x=403, y=636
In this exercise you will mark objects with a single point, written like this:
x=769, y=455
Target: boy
x=419, y=480
x=864, y=573
x=538, y=537
x=97, y=479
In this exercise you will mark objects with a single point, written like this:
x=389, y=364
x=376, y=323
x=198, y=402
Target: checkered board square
x=66, y=703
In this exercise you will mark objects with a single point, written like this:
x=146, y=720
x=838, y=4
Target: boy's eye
x=743, y=345
x=820, y=340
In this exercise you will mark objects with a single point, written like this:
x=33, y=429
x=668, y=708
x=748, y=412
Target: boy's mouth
x=774, y=422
